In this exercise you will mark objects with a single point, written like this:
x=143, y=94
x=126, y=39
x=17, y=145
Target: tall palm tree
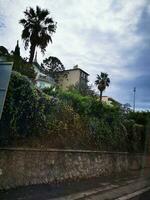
x=38, y=29
x=102, y=82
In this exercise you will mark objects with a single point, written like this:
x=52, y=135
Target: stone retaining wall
x=19, y=166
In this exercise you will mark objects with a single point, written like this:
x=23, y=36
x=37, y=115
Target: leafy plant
x=23, y=114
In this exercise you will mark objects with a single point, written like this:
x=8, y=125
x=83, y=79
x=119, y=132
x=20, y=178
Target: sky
x=111, y=36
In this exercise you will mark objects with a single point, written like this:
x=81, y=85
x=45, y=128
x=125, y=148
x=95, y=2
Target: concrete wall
x=19, y=167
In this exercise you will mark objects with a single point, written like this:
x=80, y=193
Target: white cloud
x=95, y=34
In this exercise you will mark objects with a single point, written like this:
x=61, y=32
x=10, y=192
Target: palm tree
x=38, y=29
x=102, y=82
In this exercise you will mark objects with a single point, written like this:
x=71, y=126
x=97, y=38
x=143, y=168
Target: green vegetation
x=23, y=113
x=83, y=89
x=3, y=51
x=76, y=118
x=19, y=64
x=59, y=119
x=51, y=66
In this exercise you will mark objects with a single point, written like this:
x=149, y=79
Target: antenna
x=134, y=91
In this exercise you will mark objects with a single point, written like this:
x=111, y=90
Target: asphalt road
x=48, y=191
x=144, y=196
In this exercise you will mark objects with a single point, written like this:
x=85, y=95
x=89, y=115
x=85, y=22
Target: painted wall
x=43, y=81
x=42, y=84
x=72, y=77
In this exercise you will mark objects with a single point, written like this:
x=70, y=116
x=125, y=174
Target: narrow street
x=144, y=196
x=93, y=189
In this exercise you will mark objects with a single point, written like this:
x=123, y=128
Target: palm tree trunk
x=100, y=96
x=32, y=51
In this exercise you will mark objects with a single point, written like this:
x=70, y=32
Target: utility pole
x=134, y=91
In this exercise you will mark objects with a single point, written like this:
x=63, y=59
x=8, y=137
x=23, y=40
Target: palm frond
x=52, y=28
x=22, y=21
x=98, y=77
x=27, y=14
x=48, y=21
x=104, y=75
x=43, y=14
x=25, y=33
x=32, y=13
x=26, y=44
x=108, y=80
x=38, y=10
x=97, y=82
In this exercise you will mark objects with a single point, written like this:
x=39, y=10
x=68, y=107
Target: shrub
x=68, y=119
x=66, y=127
x=106, y=136
x=135, y=136
x=23, y=112
x=139, y=117
x=84, y=105
x=52, y=91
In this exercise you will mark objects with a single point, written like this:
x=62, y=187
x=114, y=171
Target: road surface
x=144, y=196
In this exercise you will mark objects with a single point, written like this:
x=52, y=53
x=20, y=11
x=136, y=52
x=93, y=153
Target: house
x=70, y=77
x=110, y=101
x=42, y=80
x=64, y=79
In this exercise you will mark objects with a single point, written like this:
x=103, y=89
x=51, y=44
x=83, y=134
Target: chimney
x=75, y=67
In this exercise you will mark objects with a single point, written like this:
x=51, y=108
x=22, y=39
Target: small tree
x=17, y=50
x=83, y=89
x=16, y=58
x=3, y=51
x=102, y=82
x=20, y=64
x=52, y=65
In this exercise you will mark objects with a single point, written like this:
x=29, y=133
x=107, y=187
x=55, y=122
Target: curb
x=134, y=194
x=118, y=191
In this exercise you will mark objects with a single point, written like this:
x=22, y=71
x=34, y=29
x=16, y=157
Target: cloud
x=99, y=35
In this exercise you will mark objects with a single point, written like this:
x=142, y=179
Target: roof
x=39, y=67
x=115, y=101
x=68, y=70
x=47, y=79
x=111, y=99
